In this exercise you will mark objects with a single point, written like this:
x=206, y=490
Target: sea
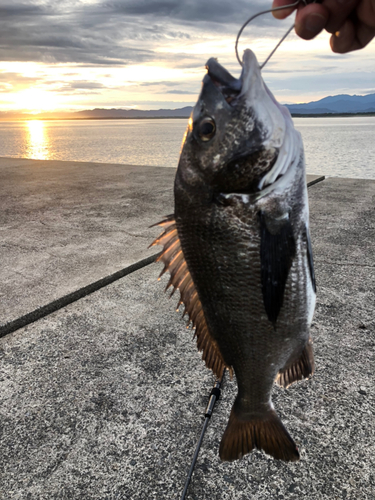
x=334, y=146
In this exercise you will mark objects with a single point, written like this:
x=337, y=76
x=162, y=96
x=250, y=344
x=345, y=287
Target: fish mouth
x=232, y=87
x=228, y=85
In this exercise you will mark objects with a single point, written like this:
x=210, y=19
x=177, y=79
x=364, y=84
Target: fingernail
x=315, y=23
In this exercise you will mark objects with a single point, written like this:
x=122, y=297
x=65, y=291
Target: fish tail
x=265, y=433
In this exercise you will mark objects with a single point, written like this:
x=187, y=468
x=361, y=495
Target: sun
x=36, y=100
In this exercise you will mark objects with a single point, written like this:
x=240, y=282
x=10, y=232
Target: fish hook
x=294, y=4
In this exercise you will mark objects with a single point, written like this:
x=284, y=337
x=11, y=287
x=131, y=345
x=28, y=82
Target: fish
x=238, y=249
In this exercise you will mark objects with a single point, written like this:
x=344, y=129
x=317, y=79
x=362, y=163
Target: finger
x=339, y=11
x=344, y=40
x=282, y=14
x=311, y=20
x=366, y=13
x=352, y=36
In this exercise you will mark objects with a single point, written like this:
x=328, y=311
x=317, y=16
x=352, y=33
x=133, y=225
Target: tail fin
x=267, y=433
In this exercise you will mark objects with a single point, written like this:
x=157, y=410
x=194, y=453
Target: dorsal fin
x=180, y=278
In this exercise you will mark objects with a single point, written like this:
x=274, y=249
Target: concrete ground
x=104, y=398
x=65, y=225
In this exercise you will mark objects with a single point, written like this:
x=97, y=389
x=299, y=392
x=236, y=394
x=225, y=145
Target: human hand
x=351, y=22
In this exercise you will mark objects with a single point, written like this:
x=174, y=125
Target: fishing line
x=261, y=14
x=214, y=396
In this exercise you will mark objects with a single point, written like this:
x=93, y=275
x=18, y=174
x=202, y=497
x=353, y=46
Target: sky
x=150, y=54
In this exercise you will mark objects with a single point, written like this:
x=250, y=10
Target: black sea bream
x=238, y=249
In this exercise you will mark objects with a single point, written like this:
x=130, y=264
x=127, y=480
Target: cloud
x=340, y=57
x=85, y=85
x=10, y=81
x=193, y=11
x=315, y=87
x=182, y=92
x=16, y=9
x=153, y=84
x=78, y=33
x=15, y=78
x=113, y=32
x=81, y=87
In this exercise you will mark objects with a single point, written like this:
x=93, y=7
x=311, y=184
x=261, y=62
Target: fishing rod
x=214, y=396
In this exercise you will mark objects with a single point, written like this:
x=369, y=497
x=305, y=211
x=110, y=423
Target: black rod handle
x=214, y=396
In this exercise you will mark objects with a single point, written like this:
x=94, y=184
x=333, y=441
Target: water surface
x=343, y=147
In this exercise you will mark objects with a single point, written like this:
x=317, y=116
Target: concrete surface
x=67, y=228
x=67, y=224
x=104, y=399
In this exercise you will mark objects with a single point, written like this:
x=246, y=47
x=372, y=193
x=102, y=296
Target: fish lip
x=253, y=88
x=249, y=64
x=222, y=79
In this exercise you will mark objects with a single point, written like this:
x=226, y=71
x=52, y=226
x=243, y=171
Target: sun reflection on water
x=38, y=146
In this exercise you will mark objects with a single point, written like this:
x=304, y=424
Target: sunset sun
x=36, y=100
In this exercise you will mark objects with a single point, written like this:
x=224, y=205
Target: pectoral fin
x=277, y=250
x=180, y=278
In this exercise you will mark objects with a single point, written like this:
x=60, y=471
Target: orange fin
x=298, y=370
x=267, y=434
x=180, y=278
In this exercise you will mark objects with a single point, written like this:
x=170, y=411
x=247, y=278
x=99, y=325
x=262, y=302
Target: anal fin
x=180, y=278
x=265, y=433
x=298, y=370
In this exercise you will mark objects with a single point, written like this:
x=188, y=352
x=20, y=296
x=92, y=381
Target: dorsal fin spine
x=194, y=312
x=175, y=262
x=169, y=233
x=180, y=274
x=165, y=237
x=167, y=254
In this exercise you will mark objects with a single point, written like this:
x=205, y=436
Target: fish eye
x=206, y=129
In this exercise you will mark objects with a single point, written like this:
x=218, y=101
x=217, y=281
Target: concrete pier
x=104, y=397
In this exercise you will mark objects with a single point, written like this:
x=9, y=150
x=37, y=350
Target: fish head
x=235, y=131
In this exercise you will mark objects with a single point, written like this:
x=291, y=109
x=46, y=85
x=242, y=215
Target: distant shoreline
x=294, y=115
x=330, y=115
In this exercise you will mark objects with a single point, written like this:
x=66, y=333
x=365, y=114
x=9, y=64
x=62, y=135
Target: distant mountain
x=342, y=103
x=135, y=113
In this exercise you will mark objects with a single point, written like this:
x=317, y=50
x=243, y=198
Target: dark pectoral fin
x=174, y=262
x=310, y=260
x=277, y=250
